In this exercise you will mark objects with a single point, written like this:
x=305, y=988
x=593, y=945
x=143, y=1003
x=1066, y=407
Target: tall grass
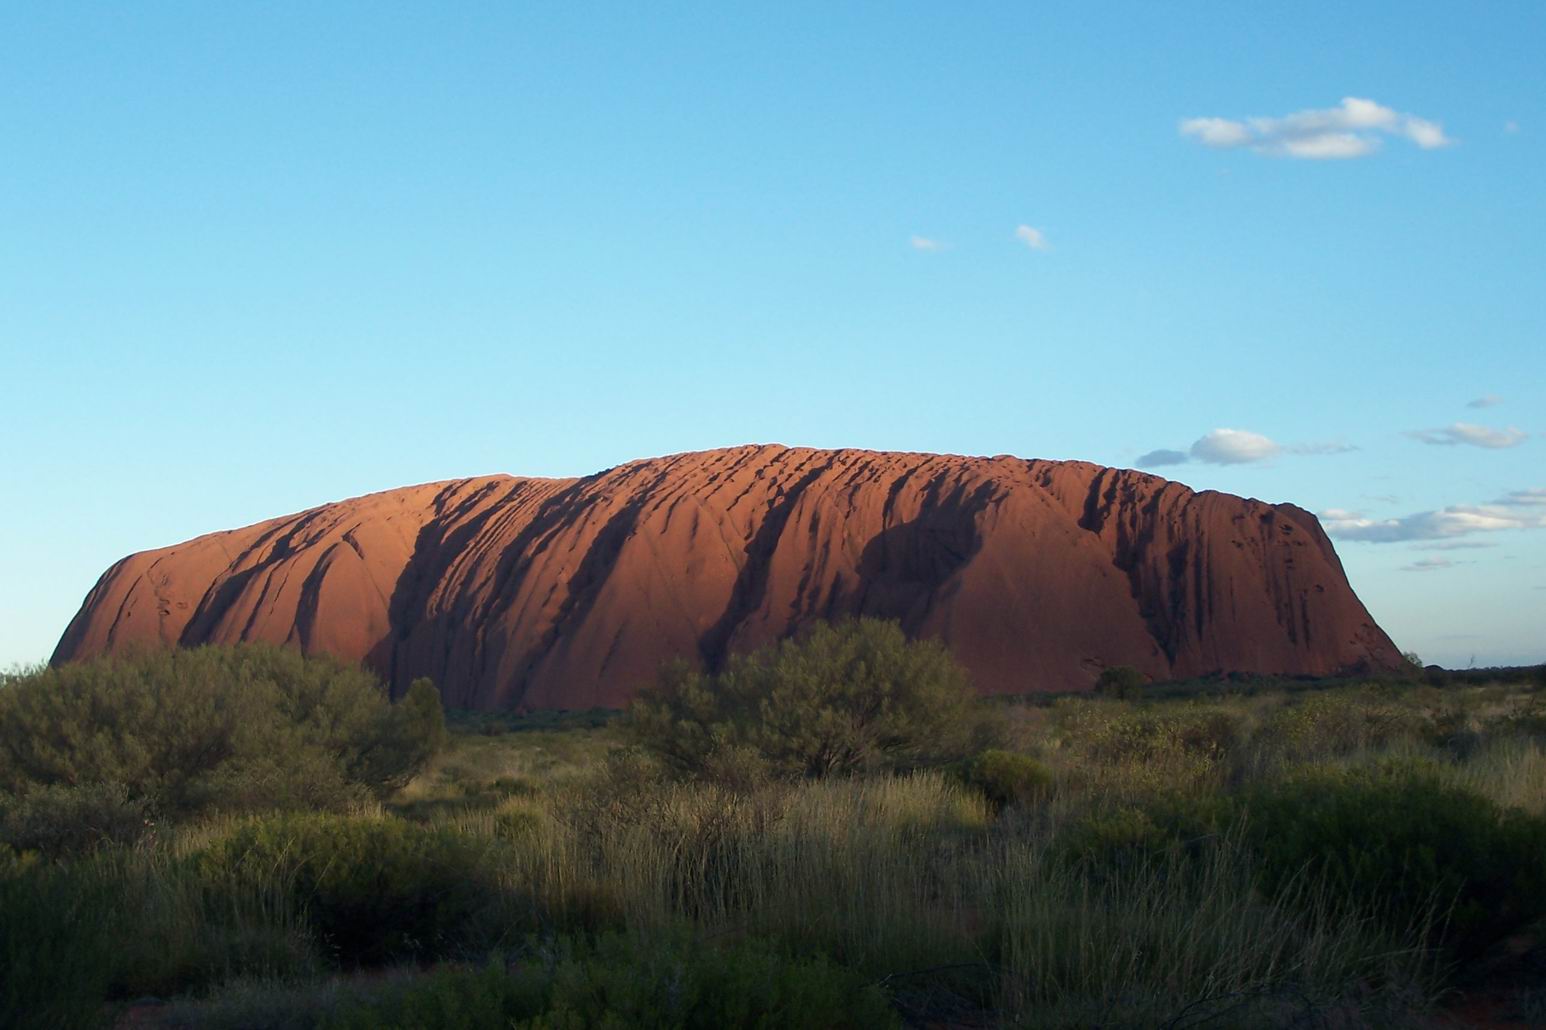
x=1187, y=932
x=124, y=922
x=1113, y=897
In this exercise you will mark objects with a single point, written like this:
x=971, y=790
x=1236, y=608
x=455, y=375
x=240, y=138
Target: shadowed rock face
x=568, y=593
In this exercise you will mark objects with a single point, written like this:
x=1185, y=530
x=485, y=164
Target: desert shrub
x=373, y=890
x=1400, y=844
x=215, y=728
x=628, y=787
x=1119, y=681
x=739, y=767
x=449, y=998
x=845, y=697
x=675, y=981
x=59, y=820
x=1530, y=719
x=1122, y=836
x=404, y=740
x=299, y=778
x=665, y=980
x=1007, y=778
x=1112, y=838
x=1340, y=723
x=1152, y=735
x=1134, y=753
x=1212, y=732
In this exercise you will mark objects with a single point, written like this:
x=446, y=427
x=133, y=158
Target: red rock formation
x=568, y=593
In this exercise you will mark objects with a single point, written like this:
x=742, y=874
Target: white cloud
x=1233, y=447
x=1031, y=237
x=1236, y=447
x=1324, y=146
x=1452, y=545
x=1444, y=524
x=1488, y=400
x=1474, y=435
x=1355, y=128
x=924, y=243
x=1427, y=135
x=1216, y=132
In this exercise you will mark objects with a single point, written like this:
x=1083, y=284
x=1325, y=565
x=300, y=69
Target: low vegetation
x=99, y=751
x=839, y=701
x=877, y=849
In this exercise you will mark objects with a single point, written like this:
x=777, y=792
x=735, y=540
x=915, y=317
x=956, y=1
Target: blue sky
x=258, y=257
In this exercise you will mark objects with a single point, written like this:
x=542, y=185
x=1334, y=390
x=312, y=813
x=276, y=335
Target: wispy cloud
x=1453, y=545
x=1534, y=496
x=1328, y=447
x=1235, y=447
x=1354, y=128
x=925, y=243
x=1444, y=524
x=1032, y=237
x=1472, y=435
x=1489, y=400
x=1431, y=565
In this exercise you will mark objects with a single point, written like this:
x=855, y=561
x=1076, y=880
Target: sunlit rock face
x=570, y=593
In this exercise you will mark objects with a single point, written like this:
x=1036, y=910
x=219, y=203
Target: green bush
x=845, y=697
x=215, y=729
x=1403, y=846
x=1007, y=778
x=1343, y=722
x=664, y=980
x=1136, y=752
x=373, y=890
x=413, y=732
x=1119, y=681
x=1113, y=838
x=449, y=998
x=60, y=820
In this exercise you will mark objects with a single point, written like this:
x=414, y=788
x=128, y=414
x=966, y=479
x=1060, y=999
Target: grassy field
x=1239, y=854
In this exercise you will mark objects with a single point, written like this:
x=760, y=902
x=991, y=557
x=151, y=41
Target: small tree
x=1119, y=681
x=844, y=697
x=410, y=733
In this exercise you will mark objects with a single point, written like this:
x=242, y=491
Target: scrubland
x=1231, y=853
